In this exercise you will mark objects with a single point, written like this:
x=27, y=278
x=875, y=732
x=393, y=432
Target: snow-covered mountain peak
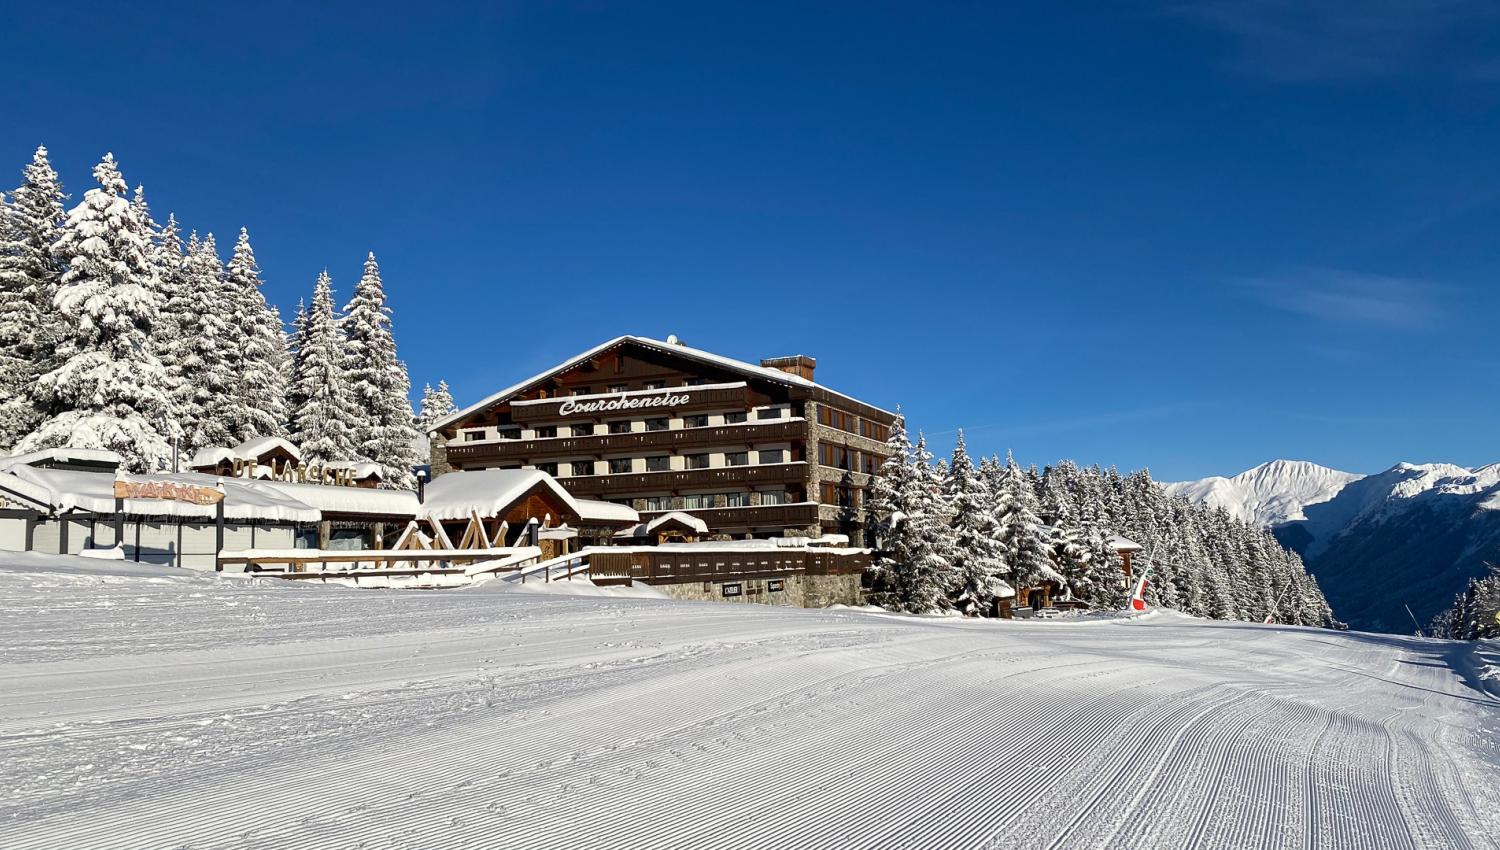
x=1270, y=494
x=1424, y=527
x=1418, y=479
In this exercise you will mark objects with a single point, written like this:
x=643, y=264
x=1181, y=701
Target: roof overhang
x=669, y=348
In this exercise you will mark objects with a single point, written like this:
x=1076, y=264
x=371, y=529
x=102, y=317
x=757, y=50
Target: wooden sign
x=169, y=491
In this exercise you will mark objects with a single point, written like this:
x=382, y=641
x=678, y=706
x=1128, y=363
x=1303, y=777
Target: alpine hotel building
x=752, y=450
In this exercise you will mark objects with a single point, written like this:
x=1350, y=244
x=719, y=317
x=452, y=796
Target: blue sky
x=1192, y=236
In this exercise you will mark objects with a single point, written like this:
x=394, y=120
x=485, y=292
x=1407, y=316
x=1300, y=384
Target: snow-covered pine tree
x=888, y=504
x=295, y=344
x=436, y=404
x=977, y=560
x=321, y=399
x=206, y=402
x=168, y=339
x=1475, y=613
x=30, y=271
x=142, y=210
x=109, y=389
x=379, y=383
x=1022, y=536
x=261, y=368
x=912, y=566
x=928, y=577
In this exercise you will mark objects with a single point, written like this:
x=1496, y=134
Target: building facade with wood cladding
x=752, y=450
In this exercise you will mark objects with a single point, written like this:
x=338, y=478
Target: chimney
x=798, y=364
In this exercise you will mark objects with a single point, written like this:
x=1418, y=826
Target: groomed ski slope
x=158, y=710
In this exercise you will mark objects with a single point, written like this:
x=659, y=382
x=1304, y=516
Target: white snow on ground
x=149, y=708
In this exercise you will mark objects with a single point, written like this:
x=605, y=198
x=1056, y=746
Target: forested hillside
x=959, y=536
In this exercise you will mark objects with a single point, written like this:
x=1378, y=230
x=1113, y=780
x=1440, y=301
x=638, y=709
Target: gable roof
x=491, y=492
x=251, y=449
x=708, y=357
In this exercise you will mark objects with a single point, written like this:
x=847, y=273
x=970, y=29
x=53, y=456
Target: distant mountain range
x=1411, y=535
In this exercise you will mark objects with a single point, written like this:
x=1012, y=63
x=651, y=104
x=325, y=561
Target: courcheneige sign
x=617, y=403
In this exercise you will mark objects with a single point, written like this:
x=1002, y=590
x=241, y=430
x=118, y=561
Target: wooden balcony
x=717, y=478
x=673, y=440
x=757, y=516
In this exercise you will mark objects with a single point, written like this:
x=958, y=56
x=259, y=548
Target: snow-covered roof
x=686, y=519
x=491, y=492
x=1124, y=544
x=251, y=449
x=758, y=545
x=79, y=490
x=99, y=457
x=244, y=499
x=668, y=347
x=347, y=500
x=210, y=456
x=646, y=529
x=362, y=469
x=257, y=446
x=605, y=512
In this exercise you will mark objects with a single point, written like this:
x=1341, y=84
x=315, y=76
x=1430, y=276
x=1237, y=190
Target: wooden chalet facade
x=751, y=450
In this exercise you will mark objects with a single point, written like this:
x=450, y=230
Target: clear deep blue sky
x=1192, y=236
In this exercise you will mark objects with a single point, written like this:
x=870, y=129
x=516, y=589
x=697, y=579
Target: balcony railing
x=799, y=513
x=721, y=477
x=670, y=440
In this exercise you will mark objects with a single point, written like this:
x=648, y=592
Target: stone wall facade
x=833, y=516
x=439, y=459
